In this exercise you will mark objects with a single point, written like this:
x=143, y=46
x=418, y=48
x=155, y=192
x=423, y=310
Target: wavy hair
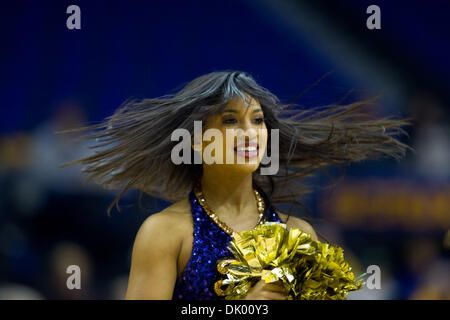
x=134, y=144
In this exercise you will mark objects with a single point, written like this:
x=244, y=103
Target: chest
x=208, y=237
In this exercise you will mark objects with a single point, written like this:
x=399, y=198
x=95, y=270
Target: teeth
x=247, y=149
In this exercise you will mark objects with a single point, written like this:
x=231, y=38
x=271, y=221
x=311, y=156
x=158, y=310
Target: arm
x=154, y=260
x=304, y=226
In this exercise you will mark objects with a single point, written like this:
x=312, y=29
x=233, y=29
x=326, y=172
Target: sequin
x=210, y=245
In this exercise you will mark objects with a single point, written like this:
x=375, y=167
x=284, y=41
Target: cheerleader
x=176, y=250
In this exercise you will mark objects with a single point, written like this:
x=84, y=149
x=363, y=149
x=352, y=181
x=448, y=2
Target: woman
x=176, y=250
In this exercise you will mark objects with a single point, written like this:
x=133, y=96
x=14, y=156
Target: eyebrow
x=235, y=111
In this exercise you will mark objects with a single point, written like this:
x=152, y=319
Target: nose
x=249, y=135
x=247, y=132
x=248, y=125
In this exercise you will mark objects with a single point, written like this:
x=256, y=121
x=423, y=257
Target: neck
x=229, y=194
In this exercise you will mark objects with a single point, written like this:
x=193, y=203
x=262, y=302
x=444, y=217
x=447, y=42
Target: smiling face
x=244, y=134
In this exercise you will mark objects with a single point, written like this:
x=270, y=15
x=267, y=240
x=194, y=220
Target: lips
x=247, y=150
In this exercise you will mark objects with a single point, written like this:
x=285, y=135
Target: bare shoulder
x=176, y=214
x=167, y=226
x=155, y=253
x=295, y=222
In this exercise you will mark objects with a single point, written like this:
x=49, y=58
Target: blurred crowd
x=50, y=219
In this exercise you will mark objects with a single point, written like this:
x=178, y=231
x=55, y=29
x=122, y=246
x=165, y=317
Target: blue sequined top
x=209, y=246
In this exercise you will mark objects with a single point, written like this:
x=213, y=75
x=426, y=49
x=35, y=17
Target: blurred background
x=395, y=215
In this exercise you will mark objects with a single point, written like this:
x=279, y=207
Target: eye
x=259, y=120
x=229, y=121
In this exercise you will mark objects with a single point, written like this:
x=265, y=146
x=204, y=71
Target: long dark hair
x=135, y=146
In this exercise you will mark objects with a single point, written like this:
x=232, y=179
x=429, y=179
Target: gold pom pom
x=308, y=269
